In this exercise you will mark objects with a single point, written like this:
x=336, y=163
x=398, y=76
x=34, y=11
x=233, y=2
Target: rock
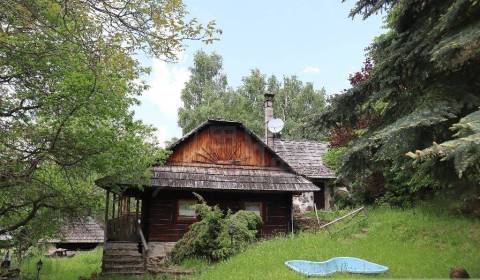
x=458, y=273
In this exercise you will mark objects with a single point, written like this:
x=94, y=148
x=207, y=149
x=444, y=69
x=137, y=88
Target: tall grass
x=414, y=243
x=82, y=264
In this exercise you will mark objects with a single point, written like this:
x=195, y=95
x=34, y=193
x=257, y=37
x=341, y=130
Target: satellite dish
x=275, y=125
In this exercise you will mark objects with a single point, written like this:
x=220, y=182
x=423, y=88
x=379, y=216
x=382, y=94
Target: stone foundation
x=157, y=252
x=303, y=202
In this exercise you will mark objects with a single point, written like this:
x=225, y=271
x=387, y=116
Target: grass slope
x=82, y=264
x=414, y=243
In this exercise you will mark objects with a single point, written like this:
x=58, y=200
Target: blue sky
x=313, y=39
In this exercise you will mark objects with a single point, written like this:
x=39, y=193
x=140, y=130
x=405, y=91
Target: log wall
x=163, y=224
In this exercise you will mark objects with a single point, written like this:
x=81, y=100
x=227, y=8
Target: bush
x=216, y=235
x=243, y=227
x=333, y=157
x=343, y=199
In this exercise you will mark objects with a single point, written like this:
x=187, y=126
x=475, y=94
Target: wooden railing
x=142, y=238
x=123, y=228
x=351, y=214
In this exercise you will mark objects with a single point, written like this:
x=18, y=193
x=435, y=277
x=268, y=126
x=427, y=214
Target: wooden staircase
x=122, y=258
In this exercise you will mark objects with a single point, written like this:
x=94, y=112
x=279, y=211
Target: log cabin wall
x=224, y=145
x=162, y=223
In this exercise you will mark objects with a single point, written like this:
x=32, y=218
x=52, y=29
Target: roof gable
x=224, y=143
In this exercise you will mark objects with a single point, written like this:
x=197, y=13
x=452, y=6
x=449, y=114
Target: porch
x=125, y=247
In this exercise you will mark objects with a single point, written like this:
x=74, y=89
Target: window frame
x=183, y=217
x=261, y=208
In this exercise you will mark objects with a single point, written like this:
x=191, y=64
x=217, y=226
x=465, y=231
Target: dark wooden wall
x=160, y=212
x=319, y=197
x=229, y=145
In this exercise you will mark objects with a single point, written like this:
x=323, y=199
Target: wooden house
x=226, y=164
x=222, y=161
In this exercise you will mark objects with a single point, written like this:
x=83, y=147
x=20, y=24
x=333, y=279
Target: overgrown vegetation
x=333, y=157
x=82, y=264
x=414, y=243
x=217, y=235
x=411, y=121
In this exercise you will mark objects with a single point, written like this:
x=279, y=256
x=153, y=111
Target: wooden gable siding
x=162, y=223
x=225, y=145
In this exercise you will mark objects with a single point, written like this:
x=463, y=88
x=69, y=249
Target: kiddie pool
x=339, y=264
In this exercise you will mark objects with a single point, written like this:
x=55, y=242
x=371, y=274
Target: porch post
x=137, y=210
x=105, y=230
x=113, y=205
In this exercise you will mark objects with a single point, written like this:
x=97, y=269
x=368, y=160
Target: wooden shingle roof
x=81, y=231
x=305, y=157
x=238, y=178
x=294, y=163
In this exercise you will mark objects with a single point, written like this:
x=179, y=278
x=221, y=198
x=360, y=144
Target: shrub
x=216, y=235
x=333, y=157
x=243, y=227
x=343, y=199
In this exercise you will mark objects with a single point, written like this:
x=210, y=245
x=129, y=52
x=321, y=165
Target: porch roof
x=240, y=178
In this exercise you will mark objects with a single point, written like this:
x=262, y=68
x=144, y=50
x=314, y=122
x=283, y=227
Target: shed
x=80, y=234
x=306, y=158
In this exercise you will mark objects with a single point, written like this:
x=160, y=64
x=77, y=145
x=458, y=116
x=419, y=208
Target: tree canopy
x=411, y=118
x=68, y=79
x=207, y=95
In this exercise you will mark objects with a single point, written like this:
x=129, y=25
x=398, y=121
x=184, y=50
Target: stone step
x=109, y=265
x=121, y=245
x=122, y=273
x=120, y=253
x=122, y=259
x=123, y=269
x=128, y=267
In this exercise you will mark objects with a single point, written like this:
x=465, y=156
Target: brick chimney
x=268, y=107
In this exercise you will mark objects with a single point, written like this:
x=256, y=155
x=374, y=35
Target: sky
x=312, y=39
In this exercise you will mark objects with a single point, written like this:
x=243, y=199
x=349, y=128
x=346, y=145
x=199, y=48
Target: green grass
x=415, y=243
x=328, y=215
x=82, y=264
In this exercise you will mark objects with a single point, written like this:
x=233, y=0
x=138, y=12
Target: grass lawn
x=413, y=243
x=82, y=264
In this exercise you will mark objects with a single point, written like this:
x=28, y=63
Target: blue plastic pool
x=339, y=264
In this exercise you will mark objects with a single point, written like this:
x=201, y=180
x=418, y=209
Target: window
x=255, y=207
x=185, y=209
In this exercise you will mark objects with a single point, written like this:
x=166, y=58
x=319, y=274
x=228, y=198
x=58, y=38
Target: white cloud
x=311, y=69
x=160, y=103
x=166, y=84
